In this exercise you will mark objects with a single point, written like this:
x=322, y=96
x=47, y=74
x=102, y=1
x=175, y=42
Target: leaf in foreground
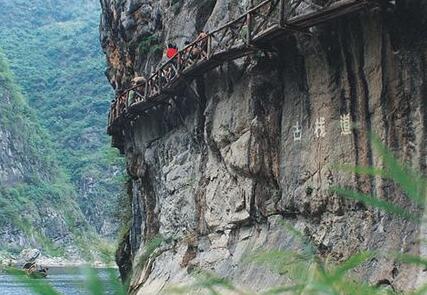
x=377, y=203
x=38, y=286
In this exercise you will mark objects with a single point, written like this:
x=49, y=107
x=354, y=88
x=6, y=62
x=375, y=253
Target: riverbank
x=64, y=262
x=45, y=261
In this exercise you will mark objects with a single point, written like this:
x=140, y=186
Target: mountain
x=54, y=53
x=38, y=204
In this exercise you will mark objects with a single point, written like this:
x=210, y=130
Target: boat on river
x=34, y=271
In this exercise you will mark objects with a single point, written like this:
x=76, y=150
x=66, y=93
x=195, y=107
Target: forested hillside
x=38, y=205
x=54, y=52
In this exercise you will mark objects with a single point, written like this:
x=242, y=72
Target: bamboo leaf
x=409, y=180
x=116, y=285
x=284, y=289
x=376, y=203
x=92, y=282
x=39, y=287
x=411, y=259
x=371, y=171
x=351, y=263
x=420, y=291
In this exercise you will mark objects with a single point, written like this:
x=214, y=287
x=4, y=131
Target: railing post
x=179, y=63
x=282, y=13
x=249, y=26
x=146, y=90
x=127, y=100
x=159, y=80
x=209, y=50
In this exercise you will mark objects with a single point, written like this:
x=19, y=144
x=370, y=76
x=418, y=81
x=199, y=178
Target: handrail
x=182, y=57
x=183, y=50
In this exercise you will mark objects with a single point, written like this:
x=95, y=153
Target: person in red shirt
x=171, y=51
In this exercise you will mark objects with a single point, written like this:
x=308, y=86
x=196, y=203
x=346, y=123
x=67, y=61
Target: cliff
x=217, y=169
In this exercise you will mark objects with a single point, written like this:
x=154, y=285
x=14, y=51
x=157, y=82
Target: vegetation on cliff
x=35, y=184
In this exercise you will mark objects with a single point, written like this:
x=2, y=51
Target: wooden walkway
x=240, y=37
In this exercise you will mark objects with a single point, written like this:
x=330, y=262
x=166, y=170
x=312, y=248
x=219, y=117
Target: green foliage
x=93, y=283
x=43, y=181
x=40, y=287
x=205, y=281
x=149, y=248
x=377, y=203
x=21, y=204
x=412, y=183
x=45, y=184
x=150, y=44
x=55, y=54
x=123, y=210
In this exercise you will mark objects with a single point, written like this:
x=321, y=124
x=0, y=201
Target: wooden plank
x=282, y=13
x=263, y=34
x=336, y=10
x=249, y=24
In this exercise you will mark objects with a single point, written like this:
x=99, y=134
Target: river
x=67, y=281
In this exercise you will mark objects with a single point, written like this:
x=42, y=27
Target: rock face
x=29, y=255
x=218, y=169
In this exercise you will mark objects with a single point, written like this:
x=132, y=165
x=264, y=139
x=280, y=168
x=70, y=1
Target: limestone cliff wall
x=217, y=172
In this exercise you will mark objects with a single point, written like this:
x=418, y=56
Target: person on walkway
x=112, y=111
x=186, y=43
x=130, y=98
x=138, y=80
x=137, y=85
x=202, y=45
x=202, y=35
x=171, y=51
x=187, y=58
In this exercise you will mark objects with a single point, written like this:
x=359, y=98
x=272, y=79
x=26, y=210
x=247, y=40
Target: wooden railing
x=241, y=34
